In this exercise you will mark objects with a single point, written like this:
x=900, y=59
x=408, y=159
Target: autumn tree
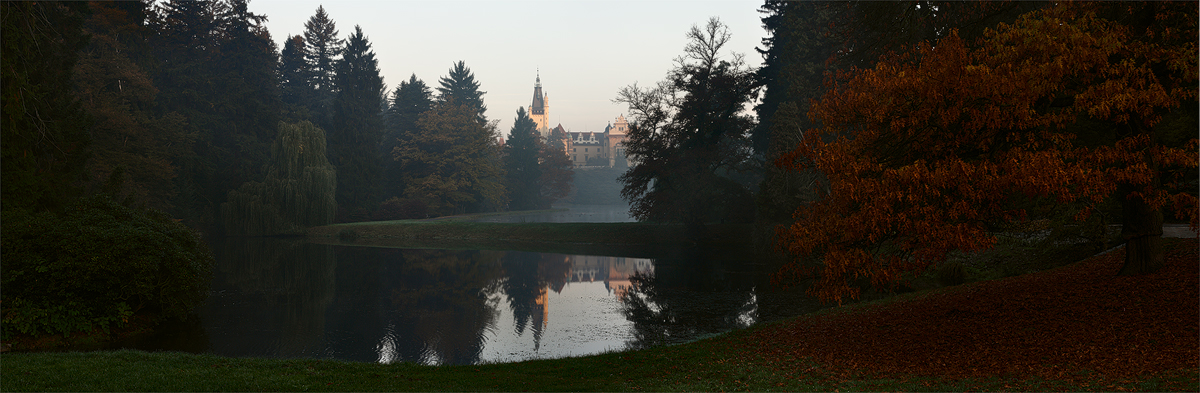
x=808, y=41
x=690, y=136
x=925, y=151
x=44, y=126
x=449, y=162
x=134, y=150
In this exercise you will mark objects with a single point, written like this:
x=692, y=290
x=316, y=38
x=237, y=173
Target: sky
x=585, y=51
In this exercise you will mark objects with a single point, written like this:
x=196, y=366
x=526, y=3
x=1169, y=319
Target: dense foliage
x=95, y=264
x=928, y=149
x=451, y=162
x=298, y=192
x=43, y=126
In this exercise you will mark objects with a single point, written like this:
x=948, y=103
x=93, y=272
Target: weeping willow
x=298, y=191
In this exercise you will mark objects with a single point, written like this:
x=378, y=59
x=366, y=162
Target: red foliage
x=923, y=152
x=1052, y=324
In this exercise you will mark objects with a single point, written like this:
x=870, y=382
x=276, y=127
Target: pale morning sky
x=585, y=50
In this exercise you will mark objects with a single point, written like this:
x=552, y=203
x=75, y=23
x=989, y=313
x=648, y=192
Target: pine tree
x=358, y=127
x=409, y=101
x=295, y=81
x=322, y=48
x=522, y=173
x=461, y=86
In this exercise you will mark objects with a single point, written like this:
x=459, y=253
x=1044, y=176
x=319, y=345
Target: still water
x=285, y=298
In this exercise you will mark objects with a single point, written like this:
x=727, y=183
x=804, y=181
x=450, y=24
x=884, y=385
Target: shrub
x=95, y=264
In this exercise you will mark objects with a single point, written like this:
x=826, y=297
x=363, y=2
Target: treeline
x=189, y=107
x=129, y=128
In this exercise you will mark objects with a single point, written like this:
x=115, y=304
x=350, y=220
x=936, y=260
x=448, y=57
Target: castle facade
x=586, y=149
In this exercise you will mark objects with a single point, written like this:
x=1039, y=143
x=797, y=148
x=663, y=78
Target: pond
x=286, y=298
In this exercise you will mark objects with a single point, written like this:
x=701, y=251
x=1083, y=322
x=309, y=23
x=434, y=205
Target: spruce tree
x=358, y=127
x=322, y=48
x=460, y=85
x=409, y=101
x=295, y=80
x=522, y=173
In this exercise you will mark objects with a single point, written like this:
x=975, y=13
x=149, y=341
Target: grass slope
x=1078, y=327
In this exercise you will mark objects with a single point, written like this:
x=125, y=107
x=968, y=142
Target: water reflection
x=286, y=298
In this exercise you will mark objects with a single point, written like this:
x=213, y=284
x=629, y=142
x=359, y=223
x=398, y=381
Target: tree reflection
x=686, y=298
x=442, y=307
x=528, y=276
x=269, y=290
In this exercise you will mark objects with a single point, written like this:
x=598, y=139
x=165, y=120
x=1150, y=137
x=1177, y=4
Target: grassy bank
x=542, y=237
x=1075, y=328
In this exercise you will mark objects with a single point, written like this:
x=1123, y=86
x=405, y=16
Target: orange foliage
x=923, y=151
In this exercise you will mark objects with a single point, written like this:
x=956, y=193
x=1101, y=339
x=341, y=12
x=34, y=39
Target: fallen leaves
x=1054, y=324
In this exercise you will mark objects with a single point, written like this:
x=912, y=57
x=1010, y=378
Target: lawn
x=1076, y=328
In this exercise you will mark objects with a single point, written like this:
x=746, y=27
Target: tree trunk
x=1142, y=231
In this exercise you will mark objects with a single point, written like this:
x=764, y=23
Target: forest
x=876, y=139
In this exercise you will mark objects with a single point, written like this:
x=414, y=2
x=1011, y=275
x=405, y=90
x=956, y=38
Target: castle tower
x=539, y=110
x=617, y=133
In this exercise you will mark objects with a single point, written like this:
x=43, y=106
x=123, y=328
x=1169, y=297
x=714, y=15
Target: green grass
x=708, y=365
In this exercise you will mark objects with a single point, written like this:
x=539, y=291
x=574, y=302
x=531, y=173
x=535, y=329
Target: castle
x=586, y=149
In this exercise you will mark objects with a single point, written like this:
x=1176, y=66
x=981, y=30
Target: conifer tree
x=460, y=85
x=358, y=127
x=295, y=81
x=409, y=101
x=522, y=173
x=322, y=48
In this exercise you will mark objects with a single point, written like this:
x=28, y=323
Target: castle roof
x=538, y=106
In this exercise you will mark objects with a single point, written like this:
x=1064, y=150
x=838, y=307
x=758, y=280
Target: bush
x=95, y=264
